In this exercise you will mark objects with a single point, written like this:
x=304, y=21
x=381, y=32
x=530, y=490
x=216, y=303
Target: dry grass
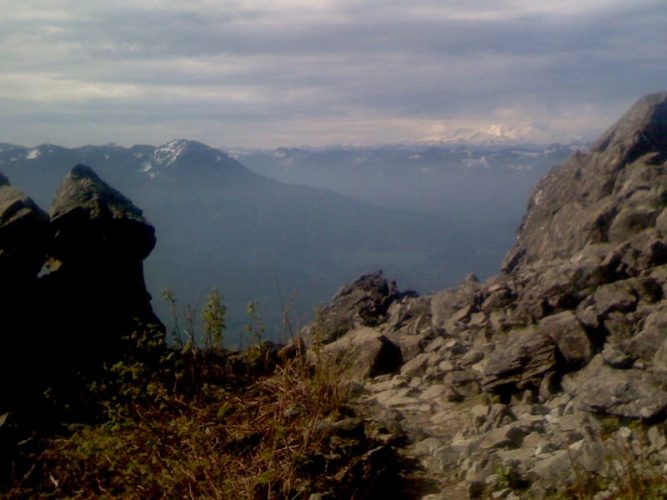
x=256, y=437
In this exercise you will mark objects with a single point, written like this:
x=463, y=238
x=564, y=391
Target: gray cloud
x=241, y=73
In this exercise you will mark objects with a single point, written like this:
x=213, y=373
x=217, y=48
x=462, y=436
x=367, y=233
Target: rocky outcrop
x=24, y=230
x=93, y=221
x=362, y=303
x=24, y=235
x=90, y=293
x=520, y=384
x=610, y=194
x=96, y=285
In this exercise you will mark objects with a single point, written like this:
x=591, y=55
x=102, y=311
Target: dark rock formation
x=364, y=353
x=96, y=290
x=93, y=221
x=91, y=293
x=24, y=234
x=362, y=303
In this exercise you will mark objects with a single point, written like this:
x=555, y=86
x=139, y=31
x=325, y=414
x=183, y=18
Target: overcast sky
x=264, y=73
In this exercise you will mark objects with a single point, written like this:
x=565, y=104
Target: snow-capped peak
x=493, y=134
x=168, y=153
x=163, y=156
x=177, y=154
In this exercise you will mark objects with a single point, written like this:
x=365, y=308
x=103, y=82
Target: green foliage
x=254, y=327
x=213, y=321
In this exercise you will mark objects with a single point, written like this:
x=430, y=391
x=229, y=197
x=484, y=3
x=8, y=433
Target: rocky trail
x=550, y=377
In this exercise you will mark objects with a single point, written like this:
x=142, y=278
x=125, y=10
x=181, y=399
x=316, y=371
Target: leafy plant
x=213, y=321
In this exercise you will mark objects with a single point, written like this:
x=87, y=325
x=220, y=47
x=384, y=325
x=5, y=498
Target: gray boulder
x=520, y=361
x=570, y=338
x=363, y=353
x=631, y=393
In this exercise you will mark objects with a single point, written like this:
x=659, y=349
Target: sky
x=262, y=74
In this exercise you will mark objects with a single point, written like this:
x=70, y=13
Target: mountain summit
x=180, y=154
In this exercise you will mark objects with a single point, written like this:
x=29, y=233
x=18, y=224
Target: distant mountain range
x=221, y=225
x=426, y=216
x=478, y=184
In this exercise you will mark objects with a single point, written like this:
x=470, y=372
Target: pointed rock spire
x=89, y=216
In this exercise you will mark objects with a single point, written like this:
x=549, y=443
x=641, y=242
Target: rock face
x=362, y=303
x=90, y=218
x=24, y=230
x=24, y=235
x=608, y=195
x=91, y=293
x=522, y=373
x=100, y=240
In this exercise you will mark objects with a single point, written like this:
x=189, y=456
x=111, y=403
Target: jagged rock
x=417, y=366
x=569, y=336
x=90, y=218
x=520, y=361
x=618, y=296
x=615, y=357
x=24, y=234
x=643, y=129
x=24, y=238
x=363, y=353
x=647, y=342
x=410, y=345
x=574, y=205
x=555, y=469
x=362, y=303
x=509, y=436
x=96, y=292
x=628, y=393
x=409, y=315
x=454, y=305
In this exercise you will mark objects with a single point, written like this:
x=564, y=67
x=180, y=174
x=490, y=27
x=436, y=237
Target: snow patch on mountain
x=32, y=154
x=161, y=157
x=167, y=154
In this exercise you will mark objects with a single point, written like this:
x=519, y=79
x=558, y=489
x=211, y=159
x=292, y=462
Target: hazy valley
x=273, y=232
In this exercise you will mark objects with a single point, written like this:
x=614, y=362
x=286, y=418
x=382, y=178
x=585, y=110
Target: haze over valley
x=427, y=216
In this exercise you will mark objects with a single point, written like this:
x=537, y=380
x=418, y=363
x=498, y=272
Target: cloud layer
x=286, y=72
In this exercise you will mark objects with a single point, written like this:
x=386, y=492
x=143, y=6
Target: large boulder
x=570, y=338
x=520, y=361
x=630, y=393
x=363, y=353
